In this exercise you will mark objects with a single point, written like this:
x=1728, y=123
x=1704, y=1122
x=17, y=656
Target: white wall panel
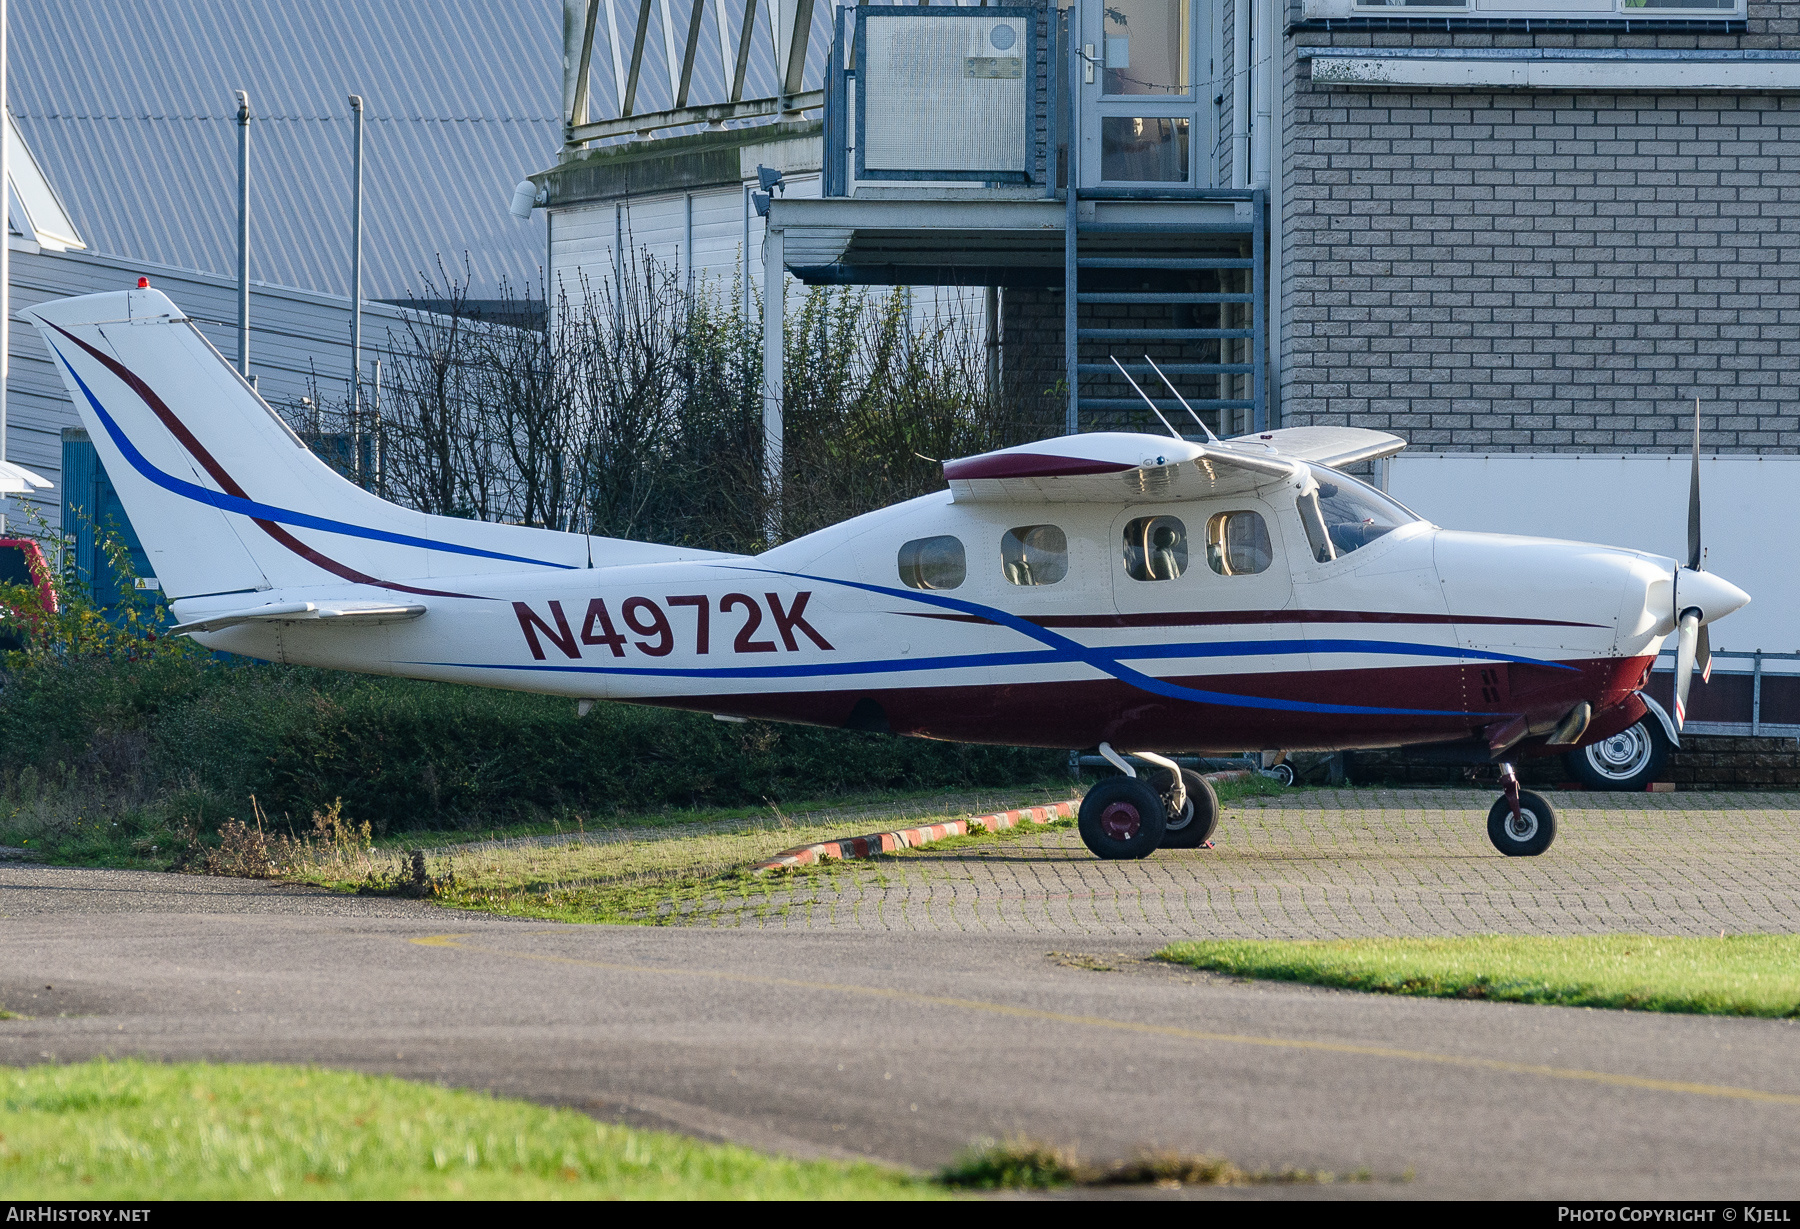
x=1638, y=501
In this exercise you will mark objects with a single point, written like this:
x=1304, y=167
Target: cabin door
x=1208, y=582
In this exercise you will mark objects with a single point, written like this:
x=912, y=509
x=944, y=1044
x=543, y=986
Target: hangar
x=135, y=142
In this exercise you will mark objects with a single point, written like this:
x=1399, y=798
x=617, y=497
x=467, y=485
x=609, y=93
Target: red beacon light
x=143, y=283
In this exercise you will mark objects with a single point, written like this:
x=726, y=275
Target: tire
x=1540, y=826
x=1121, y=817
x=1193, y=825
x=1281, y=774
x=1629, y=760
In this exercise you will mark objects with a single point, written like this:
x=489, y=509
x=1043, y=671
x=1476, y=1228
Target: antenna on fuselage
x=1184, y=405
x=1144, y=395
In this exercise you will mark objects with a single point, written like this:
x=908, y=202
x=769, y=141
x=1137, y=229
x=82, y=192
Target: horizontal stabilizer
x=16, y=479
x=361, y=613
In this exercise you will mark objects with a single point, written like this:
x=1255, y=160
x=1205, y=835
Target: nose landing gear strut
x=1521, y=824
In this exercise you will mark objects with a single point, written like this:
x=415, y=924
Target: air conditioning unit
x=945, y=96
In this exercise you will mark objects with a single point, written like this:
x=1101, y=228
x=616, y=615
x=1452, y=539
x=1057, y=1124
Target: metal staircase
x=1206, y=278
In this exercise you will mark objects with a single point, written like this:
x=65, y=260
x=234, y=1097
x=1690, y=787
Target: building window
x=1412, y=4
x=1237, y=544
x=1144, y=150
x=1146, y=49
x=933, y=563
x=1034, y=555
x=1155, y=548
x=1680, y=4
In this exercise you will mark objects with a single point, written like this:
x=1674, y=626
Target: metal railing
x=581, y=20
x=1756, y=658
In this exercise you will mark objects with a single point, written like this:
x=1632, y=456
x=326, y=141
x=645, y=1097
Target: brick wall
x=1529, y=271
x=1704, y=761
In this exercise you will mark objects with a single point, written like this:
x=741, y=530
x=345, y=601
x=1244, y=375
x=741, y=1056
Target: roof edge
x=667, y=164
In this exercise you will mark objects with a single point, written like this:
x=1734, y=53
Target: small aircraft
x=1112, y=590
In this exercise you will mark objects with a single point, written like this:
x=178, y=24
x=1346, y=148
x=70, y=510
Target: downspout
x=1240, y=92
x=1276, y=131
x=1265, y=51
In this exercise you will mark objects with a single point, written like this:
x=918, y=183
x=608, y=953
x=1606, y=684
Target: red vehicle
x=22, y=563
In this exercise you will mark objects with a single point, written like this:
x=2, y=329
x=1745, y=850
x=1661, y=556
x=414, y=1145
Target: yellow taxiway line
x=1158, y=1030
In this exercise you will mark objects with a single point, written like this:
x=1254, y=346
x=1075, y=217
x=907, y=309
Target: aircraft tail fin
x=227, y=499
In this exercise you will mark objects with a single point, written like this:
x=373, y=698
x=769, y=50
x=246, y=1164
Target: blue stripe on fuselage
x=266, y=512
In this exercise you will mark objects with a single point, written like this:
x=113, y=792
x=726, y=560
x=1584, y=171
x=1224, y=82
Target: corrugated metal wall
x=296, y=338
x=129, y=108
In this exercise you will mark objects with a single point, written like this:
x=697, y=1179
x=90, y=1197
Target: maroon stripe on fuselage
x=1029, y=465
x=1083, y=714
x=228, y=484
x=1224, y=618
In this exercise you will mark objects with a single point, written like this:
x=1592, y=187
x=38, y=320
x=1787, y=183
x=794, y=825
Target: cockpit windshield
x=1355, y=514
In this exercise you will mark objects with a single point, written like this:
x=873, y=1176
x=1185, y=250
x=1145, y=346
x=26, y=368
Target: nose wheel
x=1521, y=824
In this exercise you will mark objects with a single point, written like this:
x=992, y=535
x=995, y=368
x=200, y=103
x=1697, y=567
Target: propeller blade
x=1703, y=654
x=1687, y=636
x=1694, y=497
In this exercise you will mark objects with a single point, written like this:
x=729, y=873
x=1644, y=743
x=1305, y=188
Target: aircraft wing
x=1332, y=446
x=1116, y=467
x=364, y=613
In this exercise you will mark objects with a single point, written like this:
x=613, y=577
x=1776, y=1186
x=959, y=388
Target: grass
x=1737, y=975
x=646, y=874
x=133, y=1130
x=675, y=868
x=112, y=762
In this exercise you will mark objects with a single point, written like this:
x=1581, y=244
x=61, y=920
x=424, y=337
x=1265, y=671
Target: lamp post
x=6, y=246
x=243, y=123
x=356, y=160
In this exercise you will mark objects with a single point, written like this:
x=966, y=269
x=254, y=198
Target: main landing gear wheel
x=1528, y=835
x=1121, y=817
x=1629, y=760
x=1192, y=826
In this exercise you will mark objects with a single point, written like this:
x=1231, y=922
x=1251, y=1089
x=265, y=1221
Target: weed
x=408, y=879
x=1022, y=1163
x=1016, y=1163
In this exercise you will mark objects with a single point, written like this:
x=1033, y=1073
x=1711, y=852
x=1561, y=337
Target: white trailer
x=1641, y=500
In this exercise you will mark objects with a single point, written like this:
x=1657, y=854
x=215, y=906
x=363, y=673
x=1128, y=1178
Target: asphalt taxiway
x=904, y=1046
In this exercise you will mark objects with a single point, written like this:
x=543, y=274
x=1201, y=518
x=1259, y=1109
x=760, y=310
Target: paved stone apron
x=1321, y=864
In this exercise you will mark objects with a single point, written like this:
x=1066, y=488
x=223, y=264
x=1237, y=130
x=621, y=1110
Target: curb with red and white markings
x=909, y=838
x=877, y=843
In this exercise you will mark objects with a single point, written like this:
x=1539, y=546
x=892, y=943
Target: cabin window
x=1034, y=555
x=1354, y=514
x=1155, y=548
x=933, y=563
x=1237, y=544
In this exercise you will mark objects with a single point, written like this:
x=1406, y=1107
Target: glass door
x=1141, y=97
